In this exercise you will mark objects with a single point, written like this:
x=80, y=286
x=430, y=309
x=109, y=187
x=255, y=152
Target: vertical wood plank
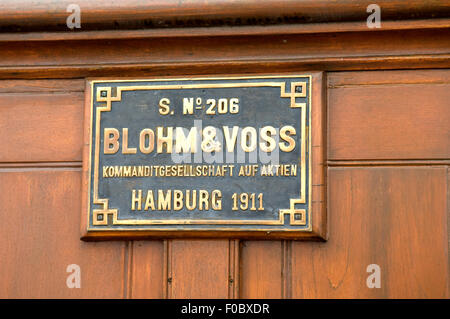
x=318, y=154
x=416, y=246
x=198, y=269
x=147, y=269
x=234, y=268
x=393, y=217
x=286, y=269
x=448, y=228
x=39, y=238
x=261, y=269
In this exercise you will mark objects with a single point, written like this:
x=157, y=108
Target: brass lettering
x=203, y=200
x=164, y=108
x=164, y=140
x=136, y=199
x=146, y=133
x=287, y=137
x=269, y=142
x=191, y=201
x=111, y=141
x=185, y=144
x=230, y=140
x=177, y=199
x=216, y=199
x=125, y=148
x=248, y=139
x=164, y=201
x=150, y=201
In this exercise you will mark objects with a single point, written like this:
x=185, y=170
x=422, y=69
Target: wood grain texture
x=48, y=15
x=234, y=268
x=158, y=69
x=396, y=217
x=188, y=32
x=41, y=86
x=393, y=217
x=375, y=119
x=147, y=270
x=261, y=269
x=392, y=77
x=225, y=55
x=319, y=155
x=221, y=49
x=39, y=236
x=198, y=269
x=36, y=127
x=448, y=226
x=423, y=162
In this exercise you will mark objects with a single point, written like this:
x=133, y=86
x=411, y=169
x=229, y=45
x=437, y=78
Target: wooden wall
x=388, y=176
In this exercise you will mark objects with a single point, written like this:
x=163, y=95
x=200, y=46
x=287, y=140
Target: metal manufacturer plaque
x=199, y=155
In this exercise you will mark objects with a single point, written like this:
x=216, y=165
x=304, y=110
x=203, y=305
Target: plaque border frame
x=88, y=233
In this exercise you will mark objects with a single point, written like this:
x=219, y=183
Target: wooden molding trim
x=46, y=15
x=222, y=67
x=283, y=29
